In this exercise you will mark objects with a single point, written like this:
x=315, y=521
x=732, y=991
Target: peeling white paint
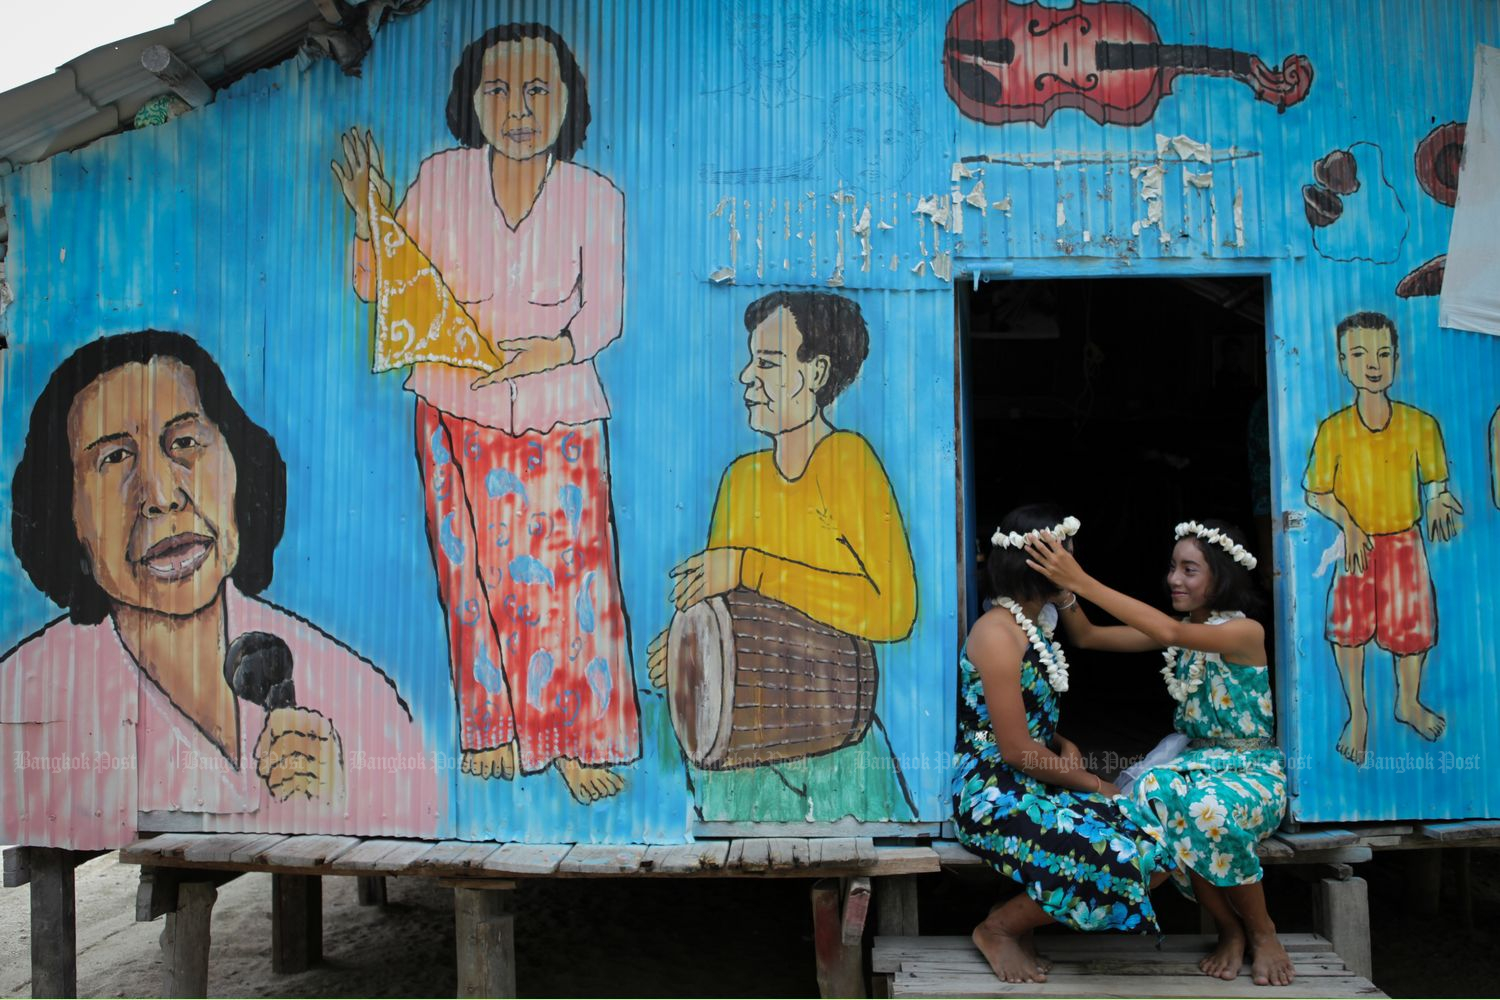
x=1003, y=205
x=934, y=207
x=882, y=224
x=1239, y=217
x=842, y=197
x=862, y=224
x=724, y=275
x=956, y=213
x=1087, y=236
x=960, y=171
x=1150, y=181
x=895, y=261
x=1199, y=181
x=734, y=238
x=760, y=245
x=977, y=199
x=861, y=229
x=837, y=281
x=942, y=266
x=718, y=211
x=1185, y=147
x=919, y=268
x=1062, y=213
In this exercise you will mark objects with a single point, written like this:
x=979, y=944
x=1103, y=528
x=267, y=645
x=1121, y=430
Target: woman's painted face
x=521, y=100
x=1188, y=579
x=153, y=488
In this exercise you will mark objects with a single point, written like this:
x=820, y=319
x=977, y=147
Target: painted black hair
x=1367, y=321
x=1009, y=574
x=463, y=121
x=1234, y=587
x=831, y=325
x=41, y=523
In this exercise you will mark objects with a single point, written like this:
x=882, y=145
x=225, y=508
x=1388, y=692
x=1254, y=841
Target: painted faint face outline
x=1367, y=358
x=1189, y=579
x=521, y=100
x=876, y=29
x=781, y=391
x=154, y=487
x=771, y=43
x=873, y=135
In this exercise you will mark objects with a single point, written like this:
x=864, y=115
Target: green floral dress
x=1217, y=802
x=1086, y=858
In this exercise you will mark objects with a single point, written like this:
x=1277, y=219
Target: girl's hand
x=1109, y=788
x=527, y=356
x=1048, y=557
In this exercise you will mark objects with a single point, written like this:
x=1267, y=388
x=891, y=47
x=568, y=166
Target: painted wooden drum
x=753, y=681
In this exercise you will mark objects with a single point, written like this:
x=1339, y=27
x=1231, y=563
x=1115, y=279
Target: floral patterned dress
x=1086, y=858
x=1217, y=802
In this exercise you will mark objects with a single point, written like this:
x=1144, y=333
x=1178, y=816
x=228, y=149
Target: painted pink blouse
x=561, y=268
x=90, y=742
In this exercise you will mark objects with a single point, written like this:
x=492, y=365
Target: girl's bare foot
x=1225, y=960
x=586, y=782
x=497, y=763
x=1270, y=964
x=1028, y=945
x=1007, y=958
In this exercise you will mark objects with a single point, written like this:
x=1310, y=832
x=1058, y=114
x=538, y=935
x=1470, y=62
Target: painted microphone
x=258, y=668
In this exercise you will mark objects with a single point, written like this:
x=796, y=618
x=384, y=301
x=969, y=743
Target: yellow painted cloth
x=830, y=543
x=1376, y=474
x=416, y=318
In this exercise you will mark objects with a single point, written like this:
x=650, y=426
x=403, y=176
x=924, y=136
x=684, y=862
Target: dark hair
x=41, y=522
x=831, y=325
x=1366, y=321
x=463, y=122
x=1009, y=574
x=1233, y=588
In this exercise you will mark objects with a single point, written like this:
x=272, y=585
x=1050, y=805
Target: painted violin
x=1015, y=62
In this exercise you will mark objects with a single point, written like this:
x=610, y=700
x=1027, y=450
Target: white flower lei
x=1016, y=540
x=1056, y=664
x=1236, y=551
x=1181, y=687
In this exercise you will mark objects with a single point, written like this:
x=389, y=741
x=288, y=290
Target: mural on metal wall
x=1438, y=158
x=769, y=663
x=498, y=279
x=1353, y=209
x=1379, y=471
x=148, y=504
x=1006, y=61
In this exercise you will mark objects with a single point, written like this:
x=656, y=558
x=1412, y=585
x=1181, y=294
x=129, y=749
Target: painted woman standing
x=515, y=463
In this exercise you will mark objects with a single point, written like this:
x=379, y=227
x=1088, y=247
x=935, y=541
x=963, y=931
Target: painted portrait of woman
x=497, y=279
x=149, y=505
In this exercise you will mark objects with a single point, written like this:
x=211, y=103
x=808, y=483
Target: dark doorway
x=1135, y=404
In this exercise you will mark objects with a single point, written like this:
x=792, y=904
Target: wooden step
x=1104, y=965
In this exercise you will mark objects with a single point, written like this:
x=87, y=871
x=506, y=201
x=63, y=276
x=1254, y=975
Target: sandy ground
x=703, y=937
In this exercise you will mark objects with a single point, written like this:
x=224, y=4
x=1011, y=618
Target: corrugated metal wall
x=749, y=140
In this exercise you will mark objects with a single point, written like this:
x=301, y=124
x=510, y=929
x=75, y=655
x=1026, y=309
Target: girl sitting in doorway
x=1022, y=797
x=1227, y=789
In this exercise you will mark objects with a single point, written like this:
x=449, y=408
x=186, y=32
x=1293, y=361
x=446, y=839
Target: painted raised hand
x=363, y=164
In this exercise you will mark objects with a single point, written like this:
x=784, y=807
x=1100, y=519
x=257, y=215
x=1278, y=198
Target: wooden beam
x=54, y=924
x=856, y=909
x=1341, y=913
x=896, y=905
x=296, y=922
x=839, y=965
x=371, y=890
x=185, y=941
x=157, y=892
x=162, y=63
x=484, y=936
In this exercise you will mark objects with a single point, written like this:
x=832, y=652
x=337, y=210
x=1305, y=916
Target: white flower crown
x=1016, y=540
x=1236, y=551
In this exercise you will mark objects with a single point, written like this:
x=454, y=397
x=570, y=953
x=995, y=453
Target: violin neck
x=1187, y=58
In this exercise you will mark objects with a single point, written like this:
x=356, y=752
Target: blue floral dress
x=1217, y=802
x=1086, y=858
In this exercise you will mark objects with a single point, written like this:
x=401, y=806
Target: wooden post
x=54, y=930
x=1341, y=913
x=1463, y=900
x=484, y=931
x=296, y=922
x=840, y=965
x=896, y=906
x=1424, y=881
x=371, y=890
x=185, y=941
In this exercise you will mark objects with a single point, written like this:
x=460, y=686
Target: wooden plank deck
x=752, y=857
x=1104, y=965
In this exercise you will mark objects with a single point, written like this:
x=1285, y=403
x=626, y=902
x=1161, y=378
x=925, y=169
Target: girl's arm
x=995, y=649
x=1109, y=638
x=1242, y=640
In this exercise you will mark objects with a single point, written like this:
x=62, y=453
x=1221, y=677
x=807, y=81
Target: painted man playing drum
x=807, y=564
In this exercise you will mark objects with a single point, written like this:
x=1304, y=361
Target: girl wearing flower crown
x=1226, y=789
x=1022, y=797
